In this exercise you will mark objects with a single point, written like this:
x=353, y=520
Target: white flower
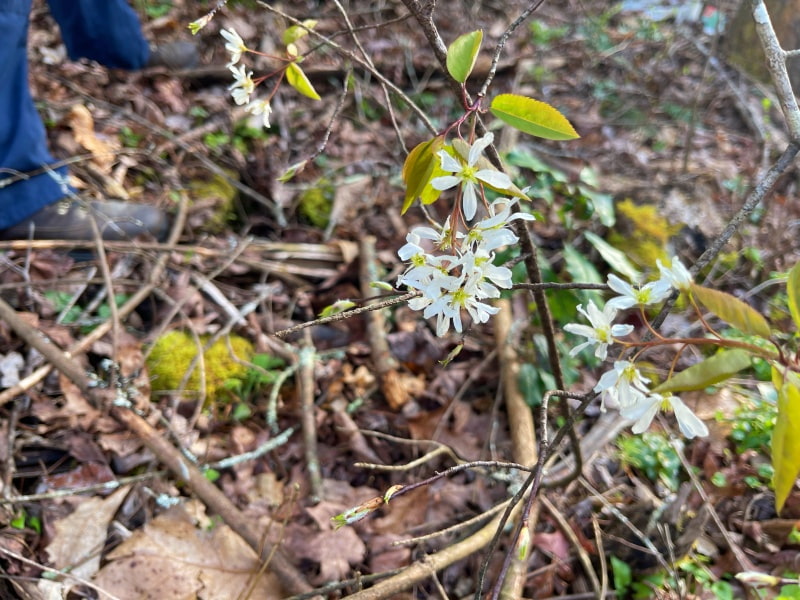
x=652, y=293
x=677, y=275
x=479, y=266
x=234, y=45
x=645, y=409
x=260, y=107
x=491, y=233
x=601, y=333
x=624, y=384
x=468, y=176
x=242, y=86
x=442, y=237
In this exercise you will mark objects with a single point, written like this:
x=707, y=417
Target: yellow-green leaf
x=533, y=117
x=615, y=257
x=462, y=149
x=793, y=291
x=295, y=32
x=462, y=54
x=292, y=170
x=785, y=438
x=729, y=308
x=721, y=366
x=298, y=80
x=420, y=167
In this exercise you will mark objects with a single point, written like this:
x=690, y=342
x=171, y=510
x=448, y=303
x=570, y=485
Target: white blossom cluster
x=243, y=85
x=624, y=384
x=458, y=273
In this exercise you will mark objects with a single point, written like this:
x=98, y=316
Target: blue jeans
x=107, y=31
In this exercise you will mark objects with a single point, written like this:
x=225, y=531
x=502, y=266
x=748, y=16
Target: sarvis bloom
x=676, y=275
x=624, y=384
x=260, y=107
x=602, y=331
x=242, y=86
x=644, y=410
x=468, y=176
x=234, y=45
x=492, y=232
x=651, y=293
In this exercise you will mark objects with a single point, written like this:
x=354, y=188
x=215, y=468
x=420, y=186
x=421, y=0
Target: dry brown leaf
x=79, y=537
x=399, y=388
x=170, y=558
x=82, y=124
x=335, y=551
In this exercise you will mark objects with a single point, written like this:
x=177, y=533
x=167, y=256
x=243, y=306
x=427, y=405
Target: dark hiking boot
x=174, y=55
x=71, y=220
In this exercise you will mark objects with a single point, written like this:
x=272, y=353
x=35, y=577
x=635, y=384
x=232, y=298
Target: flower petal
x=445, y=182
x=478, y=147
x=496, y=179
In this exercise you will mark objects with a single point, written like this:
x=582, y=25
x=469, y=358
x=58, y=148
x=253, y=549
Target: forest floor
x=672, y=139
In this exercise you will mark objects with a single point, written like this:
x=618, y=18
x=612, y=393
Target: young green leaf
x=617, y=259
x=462, y=54
x=533, y=117
x=420, y=167
x=298, y=80
x=721, y=366
x=785, y=441
x=793, y=291
x=295, y=32
x=729, y=308
x=337, y=307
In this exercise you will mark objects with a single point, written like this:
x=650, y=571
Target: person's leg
x=107, y=31
x=23, y=140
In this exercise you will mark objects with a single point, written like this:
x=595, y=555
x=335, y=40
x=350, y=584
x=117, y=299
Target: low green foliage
x=653, y=455
x=174, y=352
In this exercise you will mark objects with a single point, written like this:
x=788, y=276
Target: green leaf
x=337, y=307
x=462, y=149
x=622, y=573
x=462, y=54
x=793, y=290
x=298, y=80
x=295, y=32
x=291, y=171
x=420, y=167
x=723, y=365
x=533, y=117
x=732, y=310
x=616, y=259
x=785, y=438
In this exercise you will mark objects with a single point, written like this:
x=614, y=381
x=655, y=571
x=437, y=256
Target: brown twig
x=306, y=361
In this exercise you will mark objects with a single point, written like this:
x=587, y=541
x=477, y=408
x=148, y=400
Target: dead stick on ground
x=307, y=359
x=523, y=434
x=168, y=455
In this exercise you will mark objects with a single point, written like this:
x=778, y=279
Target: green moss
x=316, y=204
x=173, y=352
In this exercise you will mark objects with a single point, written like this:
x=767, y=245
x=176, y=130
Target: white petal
x=448, y=162
x=619, y=285
x=690, y=424
x=579, y=347
x=496, y=179
x=445, y=182
x=620, y=330
x=470, y=202
x=478, y=147
x=601, y=351
x=579, y=329
x=621, y=302
x=643, y=412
